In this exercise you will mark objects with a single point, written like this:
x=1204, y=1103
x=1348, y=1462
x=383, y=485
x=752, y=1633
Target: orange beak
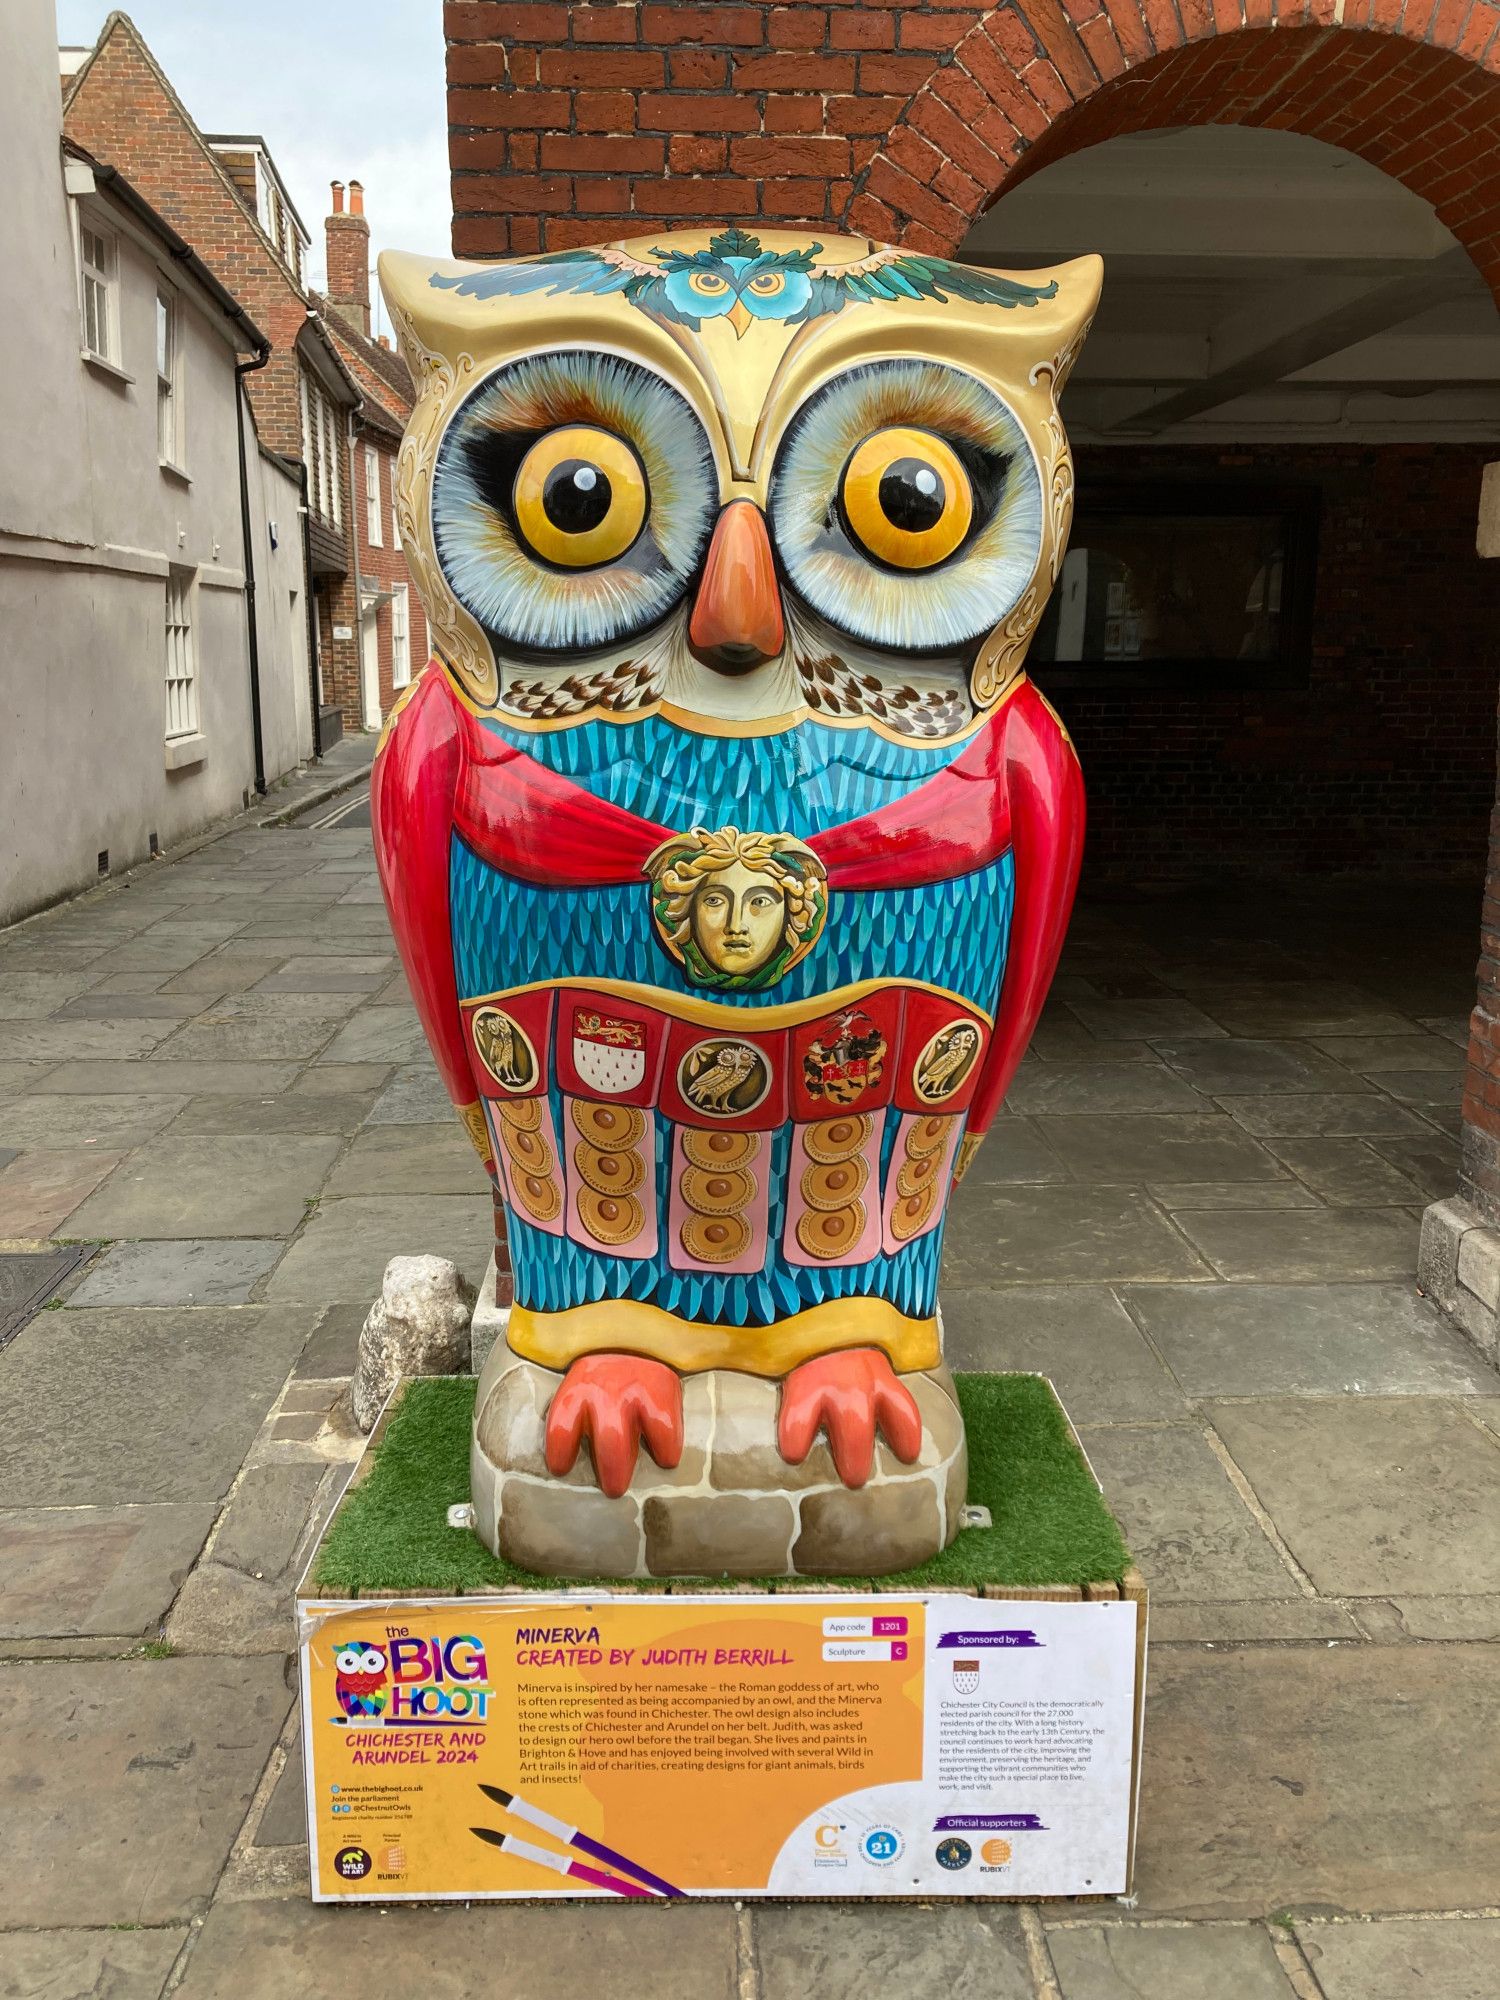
x=737, y=622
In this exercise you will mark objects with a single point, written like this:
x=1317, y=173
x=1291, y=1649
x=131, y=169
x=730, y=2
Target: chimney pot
x=338, y=197
x=356, y=198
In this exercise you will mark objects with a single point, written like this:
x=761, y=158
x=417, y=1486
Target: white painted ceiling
x=1258, y=286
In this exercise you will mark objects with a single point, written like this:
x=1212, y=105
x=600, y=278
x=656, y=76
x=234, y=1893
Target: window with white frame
x=98, y=268
x=181, y=664
x=373, y=533
x=400, y=638
x=168, y=377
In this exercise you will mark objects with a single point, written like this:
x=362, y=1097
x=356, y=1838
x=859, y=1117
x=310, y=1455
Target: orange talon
x=615, y=1400
x=852, y=1394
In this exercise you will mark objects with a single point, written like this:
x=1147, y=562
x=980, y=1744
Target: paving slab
x=1127, y=1148
x=184, y=1271
x=196, y=1185
x=349, y=972
x=110, y=1406
x=414, y=1159
x=1308, y=1340
x=956, y=1948
x=344, y=1248
x=1127, y=1961
x=1347, y=1172
x=1286, y=1193
x=1188, y=1530
x=338, y=1113
x=380, y=1034
x=32, y=996
x=110, y=1005
x=265, y=1522
x=1448, y=1617
x=1423, y=1087
x=269, y=1950
x=1080, y=1337
x=52, y=1122
x=1043, y=1235
x=1238, y=1624
x=1014, y=1150
x=414, y=1096
x=1147, y=1018
x=1340, y=1243
x=284, y=1821
x=332, y=1347
x=1299, y=1007
x=215, y=1037
x=1230, y=1067
x=39, y=1191
x=87, y=1965
x=175, y=1079
x=330, y=1079
x=1324, y=1115
x=224, y=972
x=1399, y=1959
x=1429, y=1161
x=1371, y=1054
x=255, y=1005
x=28, y=1279
x=106, y=1571
x=1087, y=1090
x=137, y=1774
x=1060, y=1038
x=1350, y=1778
x=1374, y=1497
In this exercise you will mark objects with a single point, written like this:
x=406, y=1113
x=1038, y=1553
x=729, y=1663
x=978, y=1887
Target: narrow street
x=1199, y=1215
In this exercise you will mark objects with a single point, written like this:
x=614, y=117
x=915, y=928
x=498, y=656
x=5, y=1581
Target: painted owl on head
x=727, y=847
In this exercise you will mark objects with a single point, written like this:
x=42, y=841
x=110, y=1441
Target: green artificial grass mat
x=1051, y=1526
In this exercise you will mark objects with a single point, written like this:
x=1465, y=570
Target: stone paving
x=1199, y=1214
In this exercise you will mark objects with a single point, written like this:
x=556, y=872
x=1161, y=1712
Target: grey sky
x=340, y=90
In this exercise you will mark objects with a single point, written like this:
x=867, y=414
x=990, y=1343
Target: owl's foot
x=616, y=1399
x=851, y=1394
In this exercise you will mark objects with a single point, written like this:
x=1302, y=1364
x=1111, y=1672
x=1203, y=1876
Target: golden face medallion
x=737, y=910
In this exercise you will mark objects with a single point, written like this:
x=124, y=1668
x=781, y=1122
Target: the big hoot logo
x=411, y=1680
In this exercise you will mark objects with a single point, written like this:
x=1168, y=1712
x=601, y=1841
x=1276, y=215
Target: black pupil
x=576, y=496
x=912, y=495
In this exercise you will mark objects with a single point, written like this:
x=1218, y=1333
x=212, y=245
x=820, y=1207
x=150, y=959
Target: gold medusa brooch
x=737, y=910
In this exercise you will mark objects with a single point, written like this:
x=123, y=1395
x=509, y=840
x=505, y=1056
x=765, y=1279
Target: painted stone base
x=732, y=1507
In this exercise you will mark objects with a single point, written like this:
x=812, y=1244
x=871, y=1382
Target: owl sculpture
x=729, y=853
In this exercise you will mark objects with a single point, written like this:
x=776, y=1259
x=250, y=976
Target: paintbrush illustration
x=561, y=1864
x=571, y=1837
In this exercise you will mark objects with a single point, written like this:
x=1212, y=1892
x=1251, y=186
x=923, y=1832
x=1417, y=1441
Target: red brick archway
x=1425, y=112
x=905, y=121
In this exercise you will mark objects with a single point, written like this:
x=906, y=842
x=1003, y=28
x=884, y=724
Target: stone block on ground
x=418, y=1326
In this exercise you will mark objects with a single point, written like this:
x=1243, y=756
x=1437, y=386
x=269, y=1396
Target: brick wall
x=572, y=124
x=1385, y=761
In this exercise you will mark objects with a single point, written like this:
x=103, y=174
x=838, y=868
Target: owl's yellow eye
x=580, y=497
x=768, y=283
x=708, y=284
x=906, y=498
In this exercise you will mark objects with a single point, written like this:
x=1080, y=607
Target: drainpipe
x=241, y=369
x=311, y=604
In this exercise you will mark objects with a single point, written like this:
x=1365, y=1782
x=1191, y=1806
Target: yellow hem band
x=631, y=1326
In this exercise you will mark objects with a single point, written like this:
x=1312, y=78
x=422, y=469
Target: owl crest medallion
x=737, y=910
x=729, y=853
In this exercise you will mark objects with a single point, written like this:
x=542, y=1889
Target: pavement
x=1198, y=1214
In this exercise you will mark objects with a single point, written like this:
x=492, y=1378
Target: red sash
x=535, y=824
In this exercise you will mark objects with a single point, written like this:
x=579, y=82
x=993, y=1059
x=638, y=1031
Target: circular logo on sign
x=944, y=1065
x=882, y=1845
x=504, y=1048
x=351, y=1864
x=954, y=1853
x=723, y=1077
x=995, y=1853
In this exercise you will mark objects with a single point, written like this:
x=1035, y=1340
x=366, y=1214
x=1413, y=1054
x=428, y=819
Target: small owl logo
x=360, y=1677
